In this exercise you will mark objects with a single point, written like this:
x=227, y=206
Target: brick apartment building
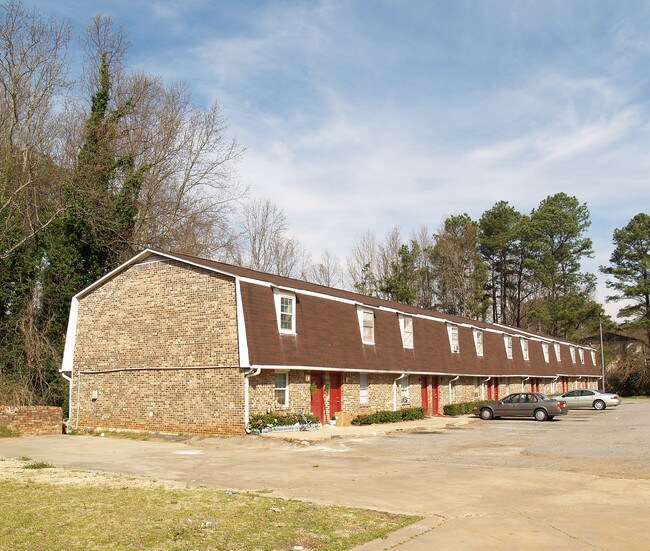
x=175, y=343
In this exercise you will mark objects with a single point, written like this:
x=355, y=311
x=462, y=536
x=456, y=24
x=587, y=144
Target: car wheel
x=486, y=414
x=599, y=404
x=541, y=415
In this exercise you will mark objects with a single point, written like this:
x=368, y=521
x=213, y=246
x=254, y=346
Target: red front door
x=317, y=396
x=495, y=388
x=336, y=401
x=425, y=395
x=435, y=402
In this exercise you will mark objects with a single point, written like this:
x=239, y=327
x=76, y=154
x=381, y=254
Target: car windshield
x=545, y=398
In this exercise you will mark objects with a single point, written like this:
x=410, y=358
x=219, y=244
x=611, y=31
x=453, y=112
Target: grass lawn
x=46, y=508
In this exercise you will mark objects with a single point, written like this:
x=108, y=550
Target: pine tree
x=630, y=269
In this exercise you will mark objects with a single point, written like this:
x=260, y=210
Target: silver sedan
x=589, y=398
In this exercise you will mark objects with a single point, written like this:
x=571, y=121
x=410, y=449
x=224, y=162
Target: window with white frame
x=452, y=331
x=572, y=351
x=477, y=388
x=285, y=308
x=556, y=346
x=593, y=357
x=507, y=340
x=282, y=388
x=524, y=347
x=367, y=325
x=364, y=384
x=478, y=342
x=406, y=328
x=581, y=352
x=404, y=388
x=545, y=352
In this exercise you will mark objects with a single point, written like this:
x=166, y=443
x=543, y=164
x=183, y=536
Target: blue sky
x=362, y=115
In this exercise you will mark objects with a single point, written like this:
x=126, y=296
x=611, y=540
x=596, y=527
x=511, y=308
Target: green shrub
x=262, y=421
x=6, y=432
x=38, y=465
x=463, y=408
x=379, y=417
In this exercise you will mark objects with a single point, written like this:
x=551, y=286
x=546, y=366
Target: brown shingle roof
x=328, y=334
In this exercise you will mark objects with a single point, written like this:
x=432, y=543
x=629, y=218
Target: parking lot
x=581, y=481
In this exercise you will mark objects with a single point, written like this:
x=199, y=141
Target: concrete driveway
x=582, y=482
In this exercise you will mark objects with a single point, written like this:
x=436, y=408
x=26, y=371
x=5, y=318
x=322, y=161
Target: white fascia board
x=383, y=371
x=70, y=337
x=242, y=339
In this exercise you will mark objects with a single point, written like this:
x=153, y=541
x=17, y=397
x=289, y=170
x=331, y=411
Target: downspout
x=483, y=387
x=76, y=424
x=523, y=383
x=450, y=386
x=553, y=384
x=395, y=390
x=252, y=372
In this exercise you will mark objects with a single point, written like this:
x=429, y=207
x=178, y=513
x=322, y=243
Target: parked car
x=589, y=398
x=523, y=404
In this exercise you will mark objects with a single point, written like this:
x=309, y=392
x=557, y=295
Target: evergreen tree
x=400, y=282
x=502, y=246
x=630, y=269
x=94, y=235
x=557, y=246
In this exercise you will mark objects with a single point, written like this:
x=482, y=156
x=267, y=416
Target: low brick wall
x=34, y=420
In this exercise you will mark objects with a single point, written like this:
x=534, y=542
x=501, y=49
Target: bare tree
x=327, y=271
x=363, y=264
x=32, y=80
x=189, y=184
x=264, y=243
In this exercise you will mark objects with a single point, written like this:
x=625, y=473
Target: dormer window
x=452, y=332
x=556, y=346
x=572, y=351
x=507, y=341
x=478, y=342
x=366, y=325
x=524, y=348
x=406, y=329
x=593, y=357
x=581, y=352
x=545, y=351
x=285, y=308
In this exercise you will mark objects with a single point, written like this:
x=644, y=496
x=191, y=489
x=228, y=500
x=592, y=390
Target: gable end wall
x=170, y=333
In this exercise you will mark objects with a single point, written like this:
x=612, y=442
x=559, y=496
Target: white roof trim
x=408, y=372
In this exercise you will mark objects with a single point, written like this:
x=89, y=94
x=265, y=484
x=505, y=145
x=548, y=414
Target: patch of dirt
x=14, y=469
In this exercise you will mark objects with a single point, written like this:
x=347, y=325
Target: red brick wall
x=32, y=419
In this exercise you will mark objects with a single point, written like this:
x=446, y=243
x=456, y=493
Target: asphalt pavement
x=580, y=481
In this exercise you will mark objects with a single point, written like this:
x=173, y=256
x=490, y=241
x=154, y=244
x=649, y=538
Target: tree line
x=96, y=169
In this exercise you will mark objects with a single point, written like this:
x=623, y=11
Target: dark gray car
x=523, y=404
